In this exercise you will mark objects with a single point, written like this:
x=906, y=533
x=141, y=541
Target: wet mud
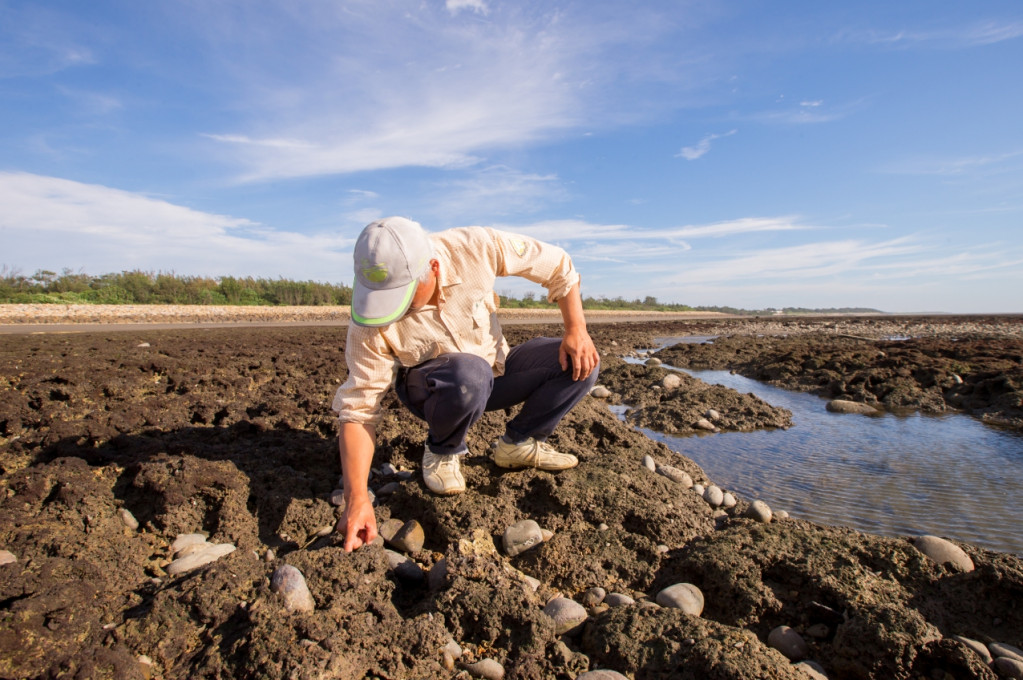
x=228, y=433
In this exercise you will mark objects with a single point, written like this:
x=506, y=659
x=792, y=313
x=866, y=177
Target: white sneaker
x=442, y=474
x=532, y=453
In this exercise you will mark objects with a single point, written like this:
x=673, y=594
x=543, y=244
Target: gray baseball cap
x=390, y=256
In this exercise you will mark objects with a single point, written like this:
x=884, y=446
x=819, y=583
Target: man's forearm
x=571, y=307
x=357, y=442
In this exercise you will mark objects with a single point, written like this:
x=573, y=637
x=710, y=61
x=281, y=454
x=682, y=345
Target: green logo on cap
x=374, y=273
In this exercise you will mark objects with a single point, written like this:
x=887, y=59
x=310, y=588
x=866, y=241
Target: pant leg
x=450, y=394
x=533, y=377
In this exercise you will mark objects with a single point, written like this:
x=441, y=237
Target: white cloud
x=691, y=153
x=53, y=223
x=478, y=6
x=580, y=230
x=966, y=35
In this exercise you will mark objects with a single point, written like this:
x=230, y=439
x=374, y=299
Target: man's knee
x=470, y=380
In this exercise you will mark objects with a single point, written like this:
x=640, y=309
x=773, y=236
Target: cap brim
x=381, y=307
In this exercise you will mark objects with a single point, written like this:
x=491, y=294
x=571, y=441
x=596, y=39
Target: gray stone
x=704, y=424
x=211, y=553
x=568, y=615
x=671, y=381
x=601, y=674
x=649, y=463
x=594, y=596
x=389, y=488
x=438, y=576
x=976, y=646
x=618, y=600
x=781, y=514
x=714, y=496
x=728, y=500
x=675, y=475
x=488, y=669
x=288, y=582
x=128, y=519
x=403, y=567
x=788, y=642
x=1008, y=668
x=653, y=361
x=684, y=596
x=7, y=557
x=819, y=631
x=337, y=497
x=522, y=536
x=712, y=414
x=600, y=392
x=1000, y=649
x=760, y=511
x=846, y=406
x=943, y=552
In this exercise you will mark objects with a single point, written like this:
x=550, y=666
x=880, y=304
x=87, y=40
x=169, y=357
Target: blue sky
x=751, y=154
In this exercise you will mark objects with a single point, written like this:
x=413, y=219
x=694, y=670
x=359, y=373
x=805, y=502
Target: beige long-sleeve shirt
x=463, y=320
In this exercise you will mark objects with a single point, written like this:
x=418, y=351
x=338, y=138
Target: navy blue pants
x=452, y=392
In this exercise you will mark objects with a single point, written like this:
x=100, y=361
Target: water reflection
x=948, y=475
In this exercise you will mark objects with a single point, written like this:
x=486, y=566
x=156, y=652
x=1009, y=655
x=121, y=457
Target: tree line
x=139, y=287
x=162, y=288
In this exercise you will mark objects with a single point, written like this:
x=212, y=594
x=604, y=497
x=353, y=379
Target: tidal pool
x=948, y=475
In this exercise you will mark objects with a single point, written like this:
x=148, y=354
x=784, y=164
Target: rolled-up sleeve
x=371, y=369
x=543, y=263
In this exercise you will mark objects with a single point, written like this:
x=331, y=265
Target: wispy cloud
x=52, y=223
x=691, y=153
x=950, y=165
x=580, y=230
x=952, y=37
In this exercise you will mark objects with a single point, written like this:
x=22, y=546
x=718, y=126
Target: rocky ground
x=227, y=433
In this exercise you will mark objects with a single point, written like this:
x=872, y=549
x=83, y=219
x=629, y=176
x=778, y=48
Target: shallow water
x=948, y=475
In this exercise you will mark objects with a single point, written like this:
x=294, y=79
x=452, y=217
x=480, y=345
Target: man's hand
x=578, y=346
x=358, y=523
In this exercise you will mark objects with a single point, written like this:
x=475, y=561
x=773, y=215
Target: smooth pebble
x=185, y=540
x=649, y=464
x=846, y=406
x=337, y=497
x=522, y=536
x=128, y=519
x=653, y=361
x=403, y=567
x=675, y=475
x=713, y=414
x=728, y=500
x=788, y=642
x=699, y=489
x=1000, y=649
x=714, y=496
x=7, y=557
x=389, y=488
x=671, y=381
x=704, y=424
x=487, y=669
x=568, y=615
x=601, y=674
x=1008, y=668
x=760, y=511
x=811, y=669
x=618, y=600
x=410, y=537
x=684, y=596
x=289, y=583
x=594, y=596
x=976, y=646
x=212, y=553
x=943, y=552
x=600, y=392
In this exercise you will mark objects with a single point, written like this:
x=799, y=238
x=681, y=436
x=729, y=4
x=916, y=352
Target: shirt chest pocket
x=416, y=354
